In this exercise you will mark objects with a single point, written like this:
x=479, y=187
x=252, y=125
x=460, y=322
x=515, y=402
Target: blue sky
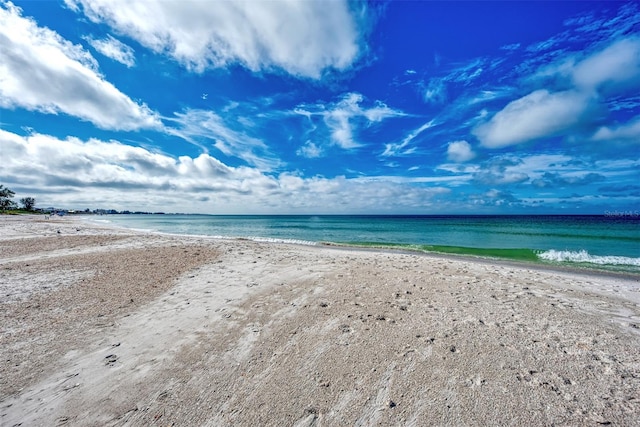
x=322, y=106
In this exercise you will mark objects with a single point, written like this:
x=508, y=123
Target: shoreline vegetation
x=110, y=326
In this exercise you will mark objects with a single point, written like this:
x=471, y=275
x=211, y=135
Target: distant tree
x=5, y=198
x=28, y=203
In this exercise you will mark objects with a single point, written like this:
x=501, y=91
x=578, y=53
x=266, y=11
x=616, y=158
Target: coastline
x=571, y=268
x=542, y=266
x=235, y=332
x=575, y=241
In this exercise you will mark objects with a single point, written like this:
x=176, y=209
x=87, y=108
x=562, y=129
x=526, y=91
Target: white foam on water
x=275, y=240
x=585, y=257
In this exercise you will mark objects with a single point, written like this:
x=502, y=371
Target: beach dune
x=105, y=326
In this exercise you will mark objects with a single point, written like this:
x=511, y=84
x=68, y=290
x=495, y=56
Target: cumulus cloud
x=555, y=180
x=627, y=133
x=618, y=63
x=460, y=151
x=612, y=69
x=109, y=174
x=500, y=171
x=40, y=71
x=590, y=80
x=310, y=150
x=346, y=116
x=495, y=197
x=114, y=49
x=302, y=38
x=537, y=115
x=86, y=169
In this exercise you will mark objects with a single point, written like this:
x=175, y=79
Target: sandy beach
x=107, y=327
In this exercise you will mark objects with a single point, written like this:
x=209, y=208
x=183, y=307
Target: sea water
x=605, y=242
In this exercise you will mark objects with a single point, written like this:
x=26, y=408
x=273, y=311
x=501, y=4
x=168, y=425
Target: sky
x=322, y=107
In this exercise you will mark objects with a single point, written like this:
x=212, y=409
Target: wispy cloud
x=114, y=49
x=400, y=149
x=435, y=91
x=346, y=117
x=467, y=72
x=600, y=28
x=562, y=86
x=203, y=127
x=43, y=72
x=511, y=47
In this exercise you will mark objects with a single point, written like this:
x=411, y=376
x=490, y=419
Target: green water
x=601, y=242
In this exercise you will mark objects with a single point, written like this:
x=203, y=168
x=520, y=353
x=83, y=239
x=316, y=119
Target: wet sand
x=104, y=326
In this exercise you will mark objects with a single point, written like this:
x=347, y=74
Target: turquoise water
x=611, y=243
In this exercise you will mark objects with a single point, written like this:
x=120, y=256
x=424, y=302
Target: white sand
x=102, y=326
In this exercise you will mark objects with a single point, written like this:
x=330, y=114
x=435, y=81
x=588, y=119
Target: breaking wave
x=585, y=257
x=276, y=240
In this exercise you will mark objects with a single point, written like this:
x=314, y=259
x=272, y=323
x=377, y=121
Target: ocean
x=609, y=242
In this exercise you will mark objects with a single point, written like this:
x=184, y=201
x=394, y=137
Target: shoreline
x=538, y=265
x=104, y=325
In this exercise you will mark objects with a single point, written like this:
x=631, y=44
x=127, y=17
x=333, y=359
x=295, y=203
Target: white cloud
x=495, y=197
x=629, y=132
x=98, y=172
x=589, y=80
x=342, y=117
x=605, y=26
x=506, y=170
x=201, y=127
x=114, y=49
x=398, y=149
x=310, y=150
x=619, y=63
x=557, y=180
x=537, y=115
x=460, y=151
x=40, y=71
x=609, y=69
x=303, y=38
x=501, y=171
x=338, y=119
x=108, y=174
x=435, y=92
x=489, y=95
x=379, y=112
x=545, y=171
x=418, y=180
x=466, y=73
x=510, y=47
